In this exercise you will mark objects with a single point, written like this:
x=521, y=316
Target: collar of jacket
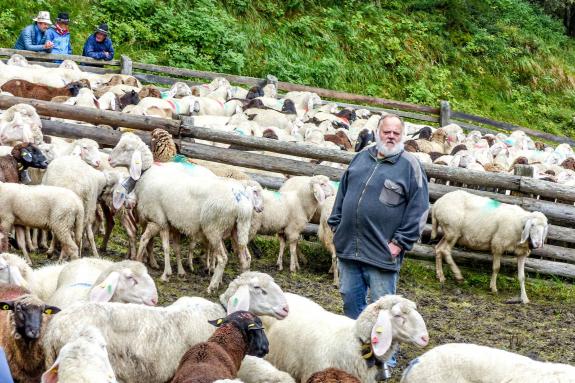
x=392, y=159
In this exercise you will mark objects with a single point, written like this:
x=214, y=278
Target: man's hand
x=395, y=250
x=48, y=45
x=107, y=54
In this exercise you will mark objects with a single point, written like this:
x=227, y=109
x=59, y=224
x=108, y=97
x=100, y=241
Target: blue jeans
x=5, y=375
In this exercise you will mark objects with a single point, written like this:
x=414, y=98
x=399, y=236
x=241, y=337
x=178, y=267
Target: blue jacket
x=62, y=45
x=5, y=376
x=96, y=50
x=378, y=201
x=31, y=39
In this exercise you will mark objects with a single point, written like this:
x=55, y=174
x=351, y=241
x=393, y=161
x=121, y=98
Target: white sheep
x=256, y=370
x=332, y=340
x=99, y=280
x=159, y=336
x=44, y=207
x=471, y=363
x=85, y=359
x=20, y=123
x=480, y=223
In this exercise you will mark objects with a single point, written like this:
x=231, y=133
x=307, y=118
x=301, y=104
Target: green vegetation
x=503, y=59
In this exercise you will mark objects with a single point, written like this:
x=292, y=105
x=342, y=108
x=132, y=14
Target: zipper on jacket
x=357, y=210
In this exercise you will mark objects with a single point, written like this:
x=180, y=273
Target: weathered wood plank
x=414, y=116
x=155, y=79
x=445, y=114
x=90, y=69
x=51, y=57
x=125, y=65
x=93, y=116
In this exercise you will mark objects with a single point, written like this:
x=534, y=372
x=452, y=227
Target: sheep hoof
x=164, y=278
x=515, y=300
x=181, y=273
x=280, y=267
x=459, y=280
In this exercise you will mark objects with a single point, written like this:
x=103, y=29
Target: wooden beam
x=52, y=57
x=93, y=116
x=414, y=116
x=154, y=79
x=125, y=65
x=91, y=69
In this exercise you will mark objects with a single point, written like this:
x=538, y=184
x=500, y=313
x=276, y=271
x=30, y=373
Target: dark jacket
x=96, y=50
x=62, y=45
x=379, y=200
x=31, y=39
x=5, y=376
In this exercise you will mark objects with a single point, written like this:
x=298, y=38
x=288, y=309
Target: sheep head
x=321, y=188
x=250, y=326
x=133, y=152
x=69, y=64
x=181, y=89
x=29, y=155
x=411, y=146
x=256, y=292
x=18, y=60
x=88, y=150
x=18, y=123
x=391, y=319
x=27, y=315
x=535, y=227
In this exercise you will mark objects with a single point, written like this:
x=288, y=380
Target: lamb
x=85, y=359
x=290, y=209
x=481, y=223
x=20, y=123
x=23, y=88
x=325, y=235
x=88, y=183
x=134, y=328
x=98, y=280
x=332, y=375
x=471, y=363
x=44, y=207
x=238, y=334
x=23, y=319
x=332, y=340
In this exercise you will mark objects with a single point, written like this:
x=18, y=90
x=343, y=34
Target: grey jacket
x=378, y=201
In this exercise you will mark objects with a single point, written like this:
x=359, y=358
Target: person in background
x=59, y=35
x=5, y=375
x=99, y=46
x=33, y=37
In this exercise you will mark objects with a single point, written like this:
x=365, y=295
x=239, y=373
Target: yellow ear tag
x=251, y=325
x=379, y=330
x=220, y=321
x=48, y=311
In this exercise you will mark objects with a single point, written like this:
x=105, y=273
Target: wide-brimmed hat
x=63, y=18
x=43, y=17
x=102, y=28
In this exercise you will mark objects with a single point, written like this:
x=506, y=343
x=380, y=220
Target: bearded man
x=379, y=213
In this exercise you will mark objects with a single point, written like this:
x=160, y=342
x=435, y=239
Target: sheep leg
x=69, y=248
x=496, y=266
x=165, y=235
x=90, y=234
x=301, y=256
x=51, y=248
x=242, y=252
x=521, y=276
x=294, y=265
x=221, y=259
x=34, y=239
x=439, y=261
x=178, y=251
x=451, y=262
x=334, y=265
x=21, y=240
x=151, y=230
x=131, y=229
x=151, y=257
x=29, y=242
x=43, y=239
x=191, y=248
x=109, y=226
x=281, y=253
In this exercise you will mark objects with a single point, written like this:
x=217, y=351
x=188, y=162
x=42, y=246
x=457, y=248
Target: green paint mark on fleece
x=492, y=204
x=335, y=184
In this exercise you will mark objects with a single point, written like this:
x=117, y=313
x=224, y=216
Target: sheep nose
x=425, y=339
x=286, y=308
x=154, y=301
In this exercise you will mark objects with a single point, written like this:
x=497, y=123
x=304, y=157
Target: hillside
x=503, y=59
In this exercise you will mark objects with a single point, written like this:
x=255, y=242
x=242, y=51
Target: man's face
x=63, y=25
x=43, y=26
x=100, y=37
x=390, y=134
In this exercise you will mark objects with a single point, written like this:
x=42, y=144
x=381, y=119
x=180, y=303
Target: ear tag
x=48, y=311
x=251, y=325
x=220, y=321
x=379, y=330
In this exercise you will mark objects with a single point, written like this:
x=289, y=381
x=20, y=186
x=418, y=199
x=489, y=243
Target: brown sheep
x=494, y=168
x=149, y=91
x=239, y=334
x=458, y=148
x=411, y=146
x=438, y=143
x=340, y=139
x=269, y=133
x=23, y=88
x=21, y=335
x=519, y=161
x=332, y=375
x=569, y=163
x=490, y=138
x=540, y=145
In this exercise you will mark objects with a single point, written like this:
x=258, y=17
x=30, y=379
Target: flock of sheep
x=70, y=190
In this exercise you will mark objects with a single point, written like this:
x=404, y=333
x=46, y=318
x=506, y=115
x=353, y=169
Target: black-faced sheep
x=239, y=334
x=366, y=137
x=22, y=322
x=23, y=156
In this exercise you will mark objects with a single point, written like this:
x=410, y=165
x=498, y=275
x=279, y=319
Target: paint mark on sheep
x=492, y=204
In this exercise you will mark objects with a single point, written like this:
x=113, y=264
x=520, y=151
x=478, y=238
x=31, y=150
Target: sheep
x=23, y=88
x=14, y=167
x=332, y=375
x=471, y=363
x=85, y=359
x=340, y=138
x=98, y=280
x=178, y=90
x=438, y=143
x=256, y=370
x=23, y=320
x=480, y=223
x=150, y=91
x=325, y=235
x=110, y=101
x=303, y=101
x=3, y=241
x=44, y=207
x=42, y=282
x=20, y=123
x=134, y=328
x=85, y=148
x=117, y=89
x=332, y=340
x=364, y=139
x=269, y=117
x=290, y=209
x=88, y=183
x=237, y=335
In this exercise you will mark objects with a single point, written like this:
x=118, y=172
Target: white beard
x=384, y=150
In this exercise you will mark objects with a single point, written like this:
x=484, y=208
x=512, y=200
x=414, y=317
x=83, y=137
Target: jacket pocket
x=391, y=194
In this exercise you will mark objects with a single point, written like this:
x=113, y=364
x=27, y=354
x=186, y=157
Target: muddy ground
x=468, y=312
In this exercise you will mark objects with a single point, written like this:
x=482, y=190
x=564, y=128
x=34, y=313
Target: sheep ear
x=7, y=306
x=318, y=193
x=51, y=375
x=16, y=277
x=240, y=301
x=51, y=310
x=216, y=322
x=526, y=229
x=136, y=165
x=27, y=134
x=381, y=334
x=105, y=290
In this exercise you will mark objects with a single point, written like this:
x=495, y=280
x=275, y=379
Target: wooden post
x=125, y=65
x=523, y=171
x=445, y=113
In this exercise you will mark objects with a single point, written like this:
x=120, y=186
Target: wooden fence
x=556, y=258
x=149, y=73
